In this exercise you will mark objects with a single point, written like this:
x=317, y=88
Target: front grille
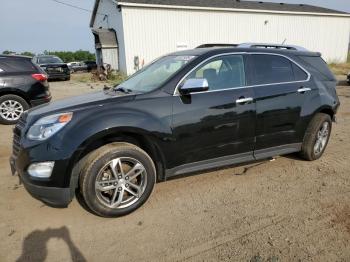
x=17, y=134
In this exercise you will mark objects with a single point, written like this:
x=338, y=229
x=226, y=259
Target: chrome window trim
x=176, y=91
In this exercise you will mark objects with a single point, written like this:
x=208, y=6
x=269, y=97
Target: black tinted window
x=269, y=69
x=221, y=73
x=12, y=65
x=49, y=60
x=299, y=74
x=318, y=66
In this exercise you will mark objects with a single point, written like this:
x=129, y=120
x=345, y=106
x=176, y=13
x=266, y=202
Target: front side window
x=222, y=73
x=273, y=69
x=154, y=75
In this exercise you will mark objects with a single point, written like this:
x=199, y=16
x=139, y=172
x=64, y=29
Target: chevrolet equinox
x=185, y=112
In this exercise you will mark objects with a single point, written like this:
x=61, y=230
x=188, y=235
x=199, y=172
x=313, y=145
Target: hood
x=76, y=103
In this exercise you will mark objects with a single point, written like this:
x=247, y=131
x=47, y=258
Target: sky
x=38, y=25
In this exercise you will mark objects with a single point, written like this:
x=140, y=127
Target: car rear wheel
x=316, y=137
x=11, y=109
x=116, y=179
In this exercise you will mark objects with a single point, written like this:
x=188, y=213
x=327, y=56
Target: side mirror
x=194, y=85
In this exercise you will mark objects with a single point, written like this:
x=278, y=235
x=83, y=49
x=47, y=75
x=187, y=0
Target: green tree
x=26, y=53
x=68, y=56
x=8, y=52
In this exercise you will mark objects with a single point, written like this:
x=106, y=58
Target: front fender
x=85, y=133
x=101, y=124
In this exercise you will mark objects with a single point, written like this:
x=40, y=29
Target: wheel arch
x=134, y=136
x=19, y=93
x=326, y=110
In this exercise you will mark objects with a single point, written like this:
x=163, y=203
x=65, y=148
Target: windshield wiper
x=117, y=89
x=122, y=89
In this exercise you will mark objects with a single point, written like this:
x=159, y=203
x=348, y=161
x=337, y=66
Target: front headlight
x=48, y=126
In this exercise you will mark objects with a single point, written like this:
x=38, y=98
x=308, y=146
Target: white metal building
x=131, y=33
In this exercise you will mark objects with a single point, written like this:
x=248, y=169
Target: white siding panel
x=152, y=32
x=110, y=56
x=113, y=20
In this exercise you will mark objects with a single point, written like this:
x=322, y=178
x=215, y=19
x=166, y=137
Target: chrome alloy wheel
x=121, y=182
x=322, y=138
x=11, y=110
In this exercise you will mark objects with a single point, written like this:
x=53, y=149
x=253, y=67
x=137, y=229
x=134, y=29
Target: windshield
x=155, y=74
x=49, y=60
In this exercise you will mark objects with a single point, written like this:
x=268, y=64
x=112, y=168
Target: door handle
x=244, y=100
x=303, y=90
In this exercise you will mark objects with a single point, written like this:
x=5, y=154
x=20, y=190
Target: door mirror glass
x=194, y=85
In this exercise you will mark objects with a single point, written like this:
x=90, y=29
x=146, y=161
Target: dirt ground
x=282, y=210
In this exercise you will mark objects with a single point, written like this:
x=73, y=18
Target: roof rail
x=276, y=46
x=217, y=45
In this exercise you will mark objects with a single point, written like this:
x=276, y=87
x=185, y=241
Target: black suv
x=22, y=85
x=186, y=112
x=53, y=66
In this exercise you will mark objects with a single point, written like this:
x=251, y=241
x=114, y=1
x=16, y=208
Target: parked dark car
x=348, y=78
x=186, y=112
x=53, y=66
x=22, y=85
x=91, y=65
x=77, y=67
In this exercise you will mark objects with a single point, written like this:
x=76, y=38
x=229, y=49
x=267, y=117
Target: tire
x=116, y=188
x=16, y=104
x=314, y=132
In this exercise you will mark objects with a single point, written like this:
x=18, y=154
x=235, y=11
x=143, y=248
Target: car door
x=281, y=88
x=217, y=123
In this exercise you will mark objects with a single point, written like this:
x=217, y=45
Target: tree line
x=66, y=56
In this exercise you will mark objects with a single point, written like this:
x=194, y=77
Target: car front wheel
x=117, y=179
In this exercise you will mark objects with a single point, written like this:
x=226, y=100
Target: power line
x=73, y=6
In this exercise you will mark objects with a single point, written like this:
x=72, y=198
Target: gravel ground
x=282, y=210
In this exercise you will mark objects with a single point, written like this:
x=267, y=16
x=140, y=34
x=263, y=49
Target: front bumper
x=58, y=75
x=52, y=196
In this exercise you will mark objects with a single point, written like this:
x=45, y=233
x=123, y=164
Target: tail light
x=39, y=77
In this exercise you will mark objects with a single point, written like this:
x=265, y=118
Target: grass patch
x=341, y=68
x=113, y=78
x=82, y=77
x=116, y=78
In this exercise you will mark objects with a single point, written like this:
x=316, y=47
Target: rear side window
x=273, y=69
x=299, y=74
x=318, y=66
x=14, y=65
